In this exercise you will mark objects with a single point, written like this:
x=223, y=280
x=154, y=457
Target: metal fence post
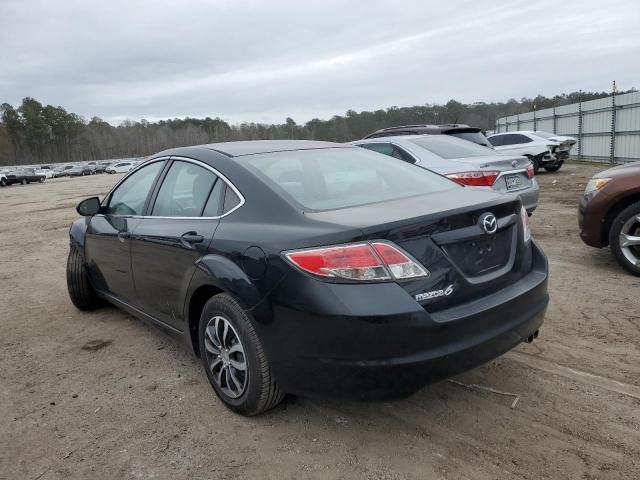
x=534, y=117
x=555, y=123
x=580, y=125
x=612, y=150
x=518, y=121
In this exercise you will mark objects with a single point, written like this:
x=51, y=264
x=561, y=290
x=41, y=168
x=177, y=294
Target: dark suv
x=459, y=130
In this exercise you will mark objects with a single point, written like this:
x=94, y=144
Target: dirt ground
x=134, y=403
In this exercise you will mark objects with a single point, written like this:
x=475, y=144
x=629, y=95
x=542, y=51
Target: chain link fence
x=607, y=129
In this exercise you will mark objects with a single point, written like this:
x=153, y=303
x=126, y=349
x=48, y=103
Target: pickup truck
x=24, y=176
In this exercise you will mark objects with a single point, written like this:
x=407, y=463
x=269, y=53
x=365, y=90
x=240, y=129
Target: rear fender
x=222, y=273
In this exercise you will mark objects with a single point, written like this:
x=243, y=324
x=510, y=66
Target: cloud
x=264, y=61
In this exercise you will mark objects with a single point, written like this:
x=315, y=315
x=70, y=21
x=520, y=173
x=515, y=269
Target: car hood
x=620, y=171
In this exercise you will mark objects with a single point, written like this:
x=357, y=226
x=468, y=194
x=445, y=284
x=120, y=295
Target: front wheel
x=41, y=180
x=3, y=182
x=552, y=168
x=624, y=238
x=24, y=181
x=80, y=290
x=234, y=359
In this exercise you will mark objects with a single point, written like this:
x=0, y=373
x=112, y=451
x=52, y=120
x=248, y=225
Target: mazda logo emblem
x=489, y=223
x=514, y=164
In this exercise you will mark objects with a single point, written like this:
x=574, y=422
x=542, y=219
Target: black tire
x=626, y=215
x=80, y=290
x=41, y=180
x=3, y=182
x=261, y=392
x=24, y=181
x=552, y=168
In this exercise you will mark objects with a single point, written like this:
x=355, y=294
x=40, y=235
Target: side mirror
x=89, y=207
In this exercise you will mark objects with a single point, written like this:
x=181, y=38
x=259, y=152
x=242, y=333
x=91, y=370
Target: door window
x=184, y=191
x=130, y=196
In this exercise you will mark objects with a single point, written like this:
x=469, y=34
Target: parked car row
x=26, y=175
x=21, y=175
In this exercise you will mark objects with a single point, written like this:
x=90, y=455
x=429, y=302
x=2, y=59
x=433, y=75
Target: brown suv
x=609, y=214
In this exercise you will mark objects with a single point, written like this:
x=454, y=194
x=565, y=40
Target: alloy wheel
x=225, y=356
x=630, y=240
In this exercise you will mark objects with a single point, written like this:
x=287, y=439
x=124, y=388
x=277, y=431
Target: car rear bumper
x=530, y=197
x=379, y=343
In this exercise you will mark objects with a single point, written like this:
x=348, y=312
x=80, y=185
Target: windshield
x=332, y=178
x=448, y=147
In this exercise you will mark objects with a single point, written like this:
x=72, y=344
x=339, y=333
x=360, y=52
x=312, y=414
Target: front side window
x=449, y=147
x=331, y=178
x=497, y=141
x=184, y=191
x=130, y=196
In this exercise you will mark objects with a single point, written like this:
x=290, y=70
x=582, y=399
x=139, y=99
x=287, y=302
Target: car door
x=107, y=241
x=173, y=235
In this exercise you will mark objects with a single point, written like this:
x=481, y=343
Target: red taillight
x=530, y=171
x=475, y=179
x=362, y=261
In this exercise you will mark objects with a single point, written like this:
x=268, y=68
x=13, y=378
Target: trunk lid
x=443, y=233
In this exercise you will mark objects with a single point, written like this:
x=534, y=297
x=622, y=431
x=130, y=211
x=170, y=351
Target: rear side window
x=331, y=178
x=131, y=195
x=475, y=137
x=214, y=203
x=184, y=191
x=448, y=147
x=390, y=150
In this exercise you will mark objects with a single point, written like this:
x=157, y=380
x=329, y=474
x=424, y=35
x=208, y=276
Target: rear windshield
x=447, y=147
x=475, y=137
x=331, y=178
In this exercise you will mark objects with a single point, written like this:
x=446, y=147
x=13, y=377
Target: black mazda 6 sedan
x=312, y=268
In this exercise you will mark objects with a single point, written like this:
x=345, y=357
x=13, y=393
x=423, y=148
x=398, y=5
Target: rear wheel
x=24, y=181
x=80, y=290
x=3, y=182
x=234, y=359
x=624, y=238
x=552, y=168
x=41, y=180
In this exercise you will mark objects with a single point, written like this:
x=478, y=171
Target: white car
x=47, y=172
x=119, y=167
x=539, y=150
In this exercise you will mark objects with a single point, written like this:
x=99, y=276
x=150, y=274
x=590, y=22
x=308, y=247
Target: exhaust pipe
x=533, y=336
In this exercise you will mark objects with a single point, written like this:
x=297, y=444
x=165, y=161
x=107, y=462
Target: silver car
x=463, y=161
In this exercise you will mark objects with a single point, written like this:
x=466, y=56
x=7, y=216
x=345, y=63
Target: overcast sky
x=266, y=60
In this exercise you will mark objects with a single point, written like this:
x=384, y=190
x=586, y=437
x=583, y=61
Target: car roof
x=424, y=129
x=253, y=147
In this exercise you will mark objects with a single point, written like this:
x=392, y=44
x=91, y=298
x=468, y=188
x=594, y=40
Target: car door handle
x=191, y=237
x=122, y=236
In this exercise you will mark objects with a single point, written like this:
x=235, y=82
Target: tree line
x=34, y=133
